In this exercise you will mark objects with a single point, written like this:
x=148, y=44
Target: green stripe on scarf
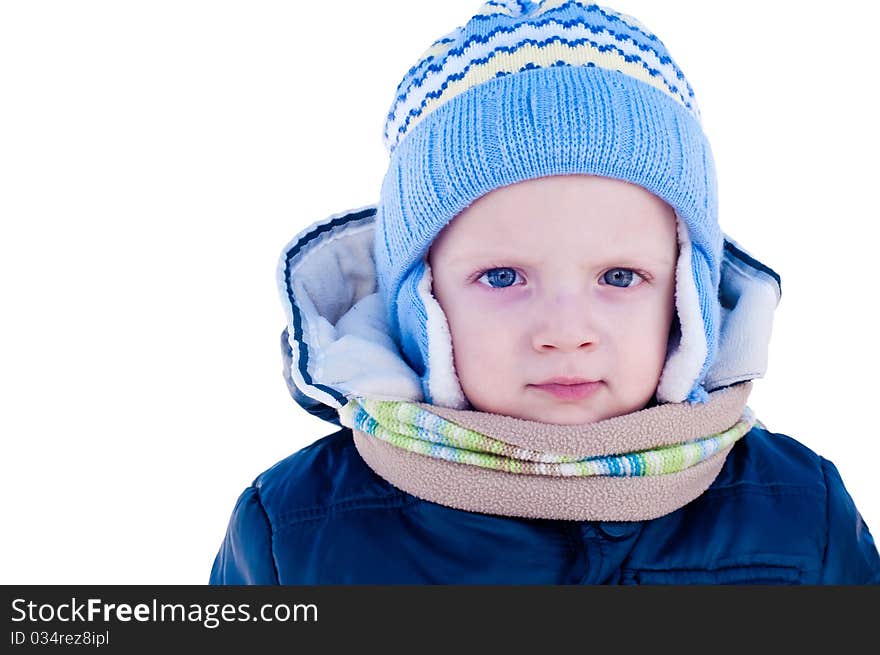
x=409, y=427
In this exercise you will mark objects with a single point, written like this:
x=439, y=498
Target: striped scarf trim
x=407, y=426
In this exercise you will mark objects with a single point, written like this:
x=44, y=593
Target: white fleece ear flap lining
x=443, y=385
x=684, y=359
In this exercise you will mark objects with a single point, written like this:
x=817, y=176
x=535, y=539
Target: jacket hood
x=338, y=344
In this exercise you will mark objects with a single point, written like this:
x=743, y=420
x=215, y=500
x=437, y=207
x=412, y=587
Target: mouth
x=569, y=388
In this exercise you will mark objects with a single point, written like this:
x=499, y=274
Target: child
x=539, y=344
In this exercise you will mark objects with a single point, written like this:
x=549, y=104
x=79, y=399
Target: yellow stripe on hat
x=541, y=56
x=437, y=49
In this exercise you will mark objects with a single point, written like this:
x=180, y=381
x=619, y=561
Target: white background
x=156, y=156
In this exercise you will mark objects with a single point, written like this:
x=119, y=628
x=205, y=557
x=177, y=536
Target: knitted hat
x=527, y=90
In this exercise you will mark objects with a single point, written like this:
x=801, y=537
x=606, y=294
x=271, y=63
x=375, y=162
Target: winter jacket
x=776, y=514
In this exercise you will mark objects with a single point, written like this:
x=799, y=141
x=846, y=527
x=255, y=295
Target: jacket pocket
x=761, y=574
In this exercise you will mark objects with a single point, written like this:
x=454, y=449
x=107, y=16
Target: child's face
x=565, y=276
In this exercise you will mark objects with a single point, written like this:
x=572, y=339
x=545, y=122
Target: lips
x=566, y=380
x=568, y=388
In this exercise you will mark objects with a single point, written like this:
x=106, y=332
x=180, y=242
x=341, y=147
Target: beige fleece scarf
x=514, y=467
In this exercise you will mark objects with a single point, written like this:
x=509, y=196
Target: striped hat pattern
x=526, y=90
x=553, y=33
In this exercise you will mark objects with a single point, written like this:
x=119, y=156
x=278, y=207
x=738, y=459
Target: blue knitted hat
x=527, y=90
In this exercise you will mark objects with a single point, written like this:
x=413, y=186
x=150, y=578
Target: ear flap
x=748, y=294
x=687, y=350
x=440, y=382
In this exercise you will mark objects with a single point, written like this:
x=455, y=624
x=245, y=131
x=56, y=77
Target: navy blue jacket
x=777, y=514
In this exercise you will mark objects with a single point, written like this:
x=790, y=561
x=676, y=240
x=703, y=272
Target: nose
x=565, y=324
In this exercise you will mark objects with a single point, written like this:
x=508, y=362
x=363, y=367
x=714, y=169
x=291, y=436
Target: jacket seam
x=754, y=560
x=765, y=572
x=771, y=489
x=577, y=546
x=317, y=513
x=628, y=558
x=271, y=532
x=827, y=516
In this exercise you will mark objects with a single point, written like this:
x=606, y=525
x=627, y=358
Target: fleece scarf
x=633, y=467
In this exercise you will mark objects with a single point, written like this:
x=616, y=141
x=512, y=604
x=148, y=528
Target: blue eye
x=499, y=278
x=621, y=277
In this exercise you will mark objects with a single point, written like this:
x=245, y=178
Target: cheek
x=478, y=321
x=643, y=338
x=479, y=333
x=482, y=344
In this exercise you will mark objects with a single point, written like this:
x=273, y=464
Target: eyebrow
x=486, y=255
